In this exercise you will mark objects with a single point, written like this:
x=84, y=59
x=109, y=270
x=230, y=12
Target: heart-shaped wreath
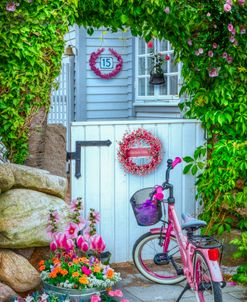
x=93, y=59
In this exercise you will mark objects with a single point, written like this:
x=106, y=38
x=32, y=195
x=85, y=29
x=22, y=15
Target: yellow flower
x=83, y=280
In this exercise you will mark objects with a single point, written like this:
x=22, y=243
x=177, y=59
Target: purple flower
x=242, y=30
x=215, y=45
x=200, y=50
x=230, y=27
x=224, y=55
x=229, y=59
x=167, y=10
x=232, y=39
x=189, y=42
x=213, y=72
x=11, y=6
x=210, y=53
x=227, y=7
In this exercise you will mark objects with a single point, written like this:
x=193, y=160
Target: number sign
x=106, y=63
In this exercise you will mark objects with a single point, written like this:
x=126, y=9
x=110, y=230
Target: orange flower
x=83, y=280
x=55, y=260
x=110, y=273
x=84, y=260
x=57, y=269
x=96, y=269
x=75, y=274
x=76, y=260
x=63, y=272
x=42, y=262
x=52, y=275
x=42, y=268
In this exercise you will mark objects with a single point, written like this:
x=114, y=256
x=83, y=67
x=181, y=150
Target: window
x=145, y=92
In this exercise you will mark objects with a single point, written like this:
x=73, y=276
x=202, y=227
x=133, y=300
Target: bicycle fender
x=214, y=267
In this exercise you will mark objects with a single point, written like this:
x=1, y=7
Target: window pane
x=150, y=88
x=141, y=47
x=141, y=66
x=174, y=85
x=163, y=45
x=173, y=66
x=164, y=66
x=141, y=86
x=150, y=65
x=163, y=88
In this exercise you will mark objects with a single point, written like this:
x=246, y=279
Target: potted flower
x=157, y=73
x=75, y=267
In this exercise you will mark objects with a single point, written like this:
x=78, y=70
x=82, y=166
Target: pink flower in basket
x=97, y=243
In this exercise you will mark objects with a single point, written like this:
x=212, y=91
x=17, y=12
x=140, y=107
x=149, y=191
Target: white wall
x=105, y=187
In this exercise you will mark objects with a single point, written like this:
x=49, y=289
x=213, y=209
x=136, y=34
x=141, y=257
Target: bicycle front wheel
x=208, y=290
x=152, y=263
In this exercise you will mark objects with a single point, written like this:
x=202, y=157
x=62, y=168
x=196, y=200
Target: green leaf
x=194, y=170
x=187, y=168
x=188, y=159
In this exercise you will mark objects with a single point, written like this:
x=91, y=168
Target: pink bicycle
x=173, y=252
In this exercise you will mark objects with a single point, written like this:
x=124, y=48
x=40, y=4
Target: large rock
x=7, y=179
x=24, y=215
x=39, y=180
x=6, y=293
x=17, y=272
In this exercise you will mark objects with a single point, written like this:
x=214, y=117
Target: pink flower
x=230, y=27
x=227, y=7
x=95, y=299
x=11, y=6
x=208, y=14
x=235, y=42
x=53, y=246
x=210, y=53
x=97, y=243
x=215, y=45
x=116, y=293
x=242, y=30
x=167, y=57
x=197, y=53
x=72, y=230
x=167, y=10
x=234, y=31
x=229, y=2
x=200, y=50
x=84, y=247
x=189, y=42
x=224, y=55
x=213, y=72
x=229, y=59
x=124, y=300
x=241, y=2
x=232, y=39
x=86, y=270
x=150, y=44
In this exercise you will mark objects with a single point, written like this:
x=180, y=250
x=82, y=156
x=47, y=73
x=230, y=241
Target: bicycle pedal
x=161, y=258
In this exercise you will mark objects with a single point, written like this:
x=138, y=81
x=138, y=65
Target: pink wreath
x=126, y=151
x=93, y=59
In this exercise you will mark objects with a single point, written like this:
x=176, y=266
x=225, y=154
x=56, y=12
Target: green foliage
x=241, y=275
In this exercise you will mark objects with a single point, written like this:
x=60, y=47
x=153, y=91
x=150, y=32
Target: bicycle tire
x=206, y=291
x=147, y=267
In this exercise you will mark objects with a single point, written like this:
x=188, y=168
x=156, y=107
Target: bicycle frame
x=186, y=248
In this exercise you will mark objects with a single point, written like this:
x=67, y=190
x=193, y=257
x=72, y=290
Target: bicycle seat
x=192, y=223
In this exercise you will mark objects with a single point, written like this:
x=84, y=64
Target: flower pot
x=74, y=295
x=157, y=79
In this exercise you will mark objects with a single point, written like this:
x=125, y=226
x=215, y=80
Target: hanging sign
x=105, y=63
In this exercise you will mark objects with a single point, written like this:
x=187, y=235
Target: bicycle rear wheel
x=208, y=290
x=155, y=265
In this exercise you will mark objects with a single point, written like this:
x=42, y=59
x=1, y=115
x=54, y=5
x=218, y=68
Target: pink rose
x=189, y=42
x=232, y=39
x=229, y=2
x=208, y=14
x=167, y=57
x=200, y=50
x=95, y=299
x=229, y=59
x=11, y=6
x=224, y=55
x=167, y=10
x=215, y=45
x=230, y=27
x=213, y=73
x=197, y=53
x=210, y=53
x=241, y=2
x=227, y=7
x=150, y=44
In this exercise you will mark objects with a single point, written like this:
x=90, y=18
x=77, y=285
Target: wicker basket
x=147, y=211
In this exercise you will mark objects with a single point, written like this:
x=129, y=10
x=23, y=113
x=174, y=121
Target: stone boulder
x=6, y=293
x=24, y=215
x=17, y=272
x=7, y=179
x=38, y=180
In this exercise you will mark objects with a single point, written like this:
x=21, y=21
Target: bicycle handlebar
x=176, y=161
x=170, y=165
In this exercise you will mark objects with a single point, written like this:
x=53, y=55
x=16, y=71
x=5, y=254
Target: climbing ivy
x=208, y=36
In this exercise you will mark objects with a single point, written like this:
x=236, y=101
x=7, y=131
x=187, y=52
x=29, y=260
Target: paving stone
x=241, y=295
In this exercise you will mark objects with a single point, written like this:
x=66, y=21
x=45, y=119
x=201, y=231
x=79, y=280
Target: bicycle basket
x=147, y=212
